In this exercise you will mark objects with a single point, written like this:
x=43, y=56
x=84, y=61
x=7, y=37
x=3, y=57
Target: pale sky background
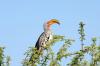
x=21, y=22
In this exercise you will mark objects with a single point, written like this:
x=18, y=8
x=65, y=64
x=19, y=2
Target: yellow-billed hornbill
x=46, y=36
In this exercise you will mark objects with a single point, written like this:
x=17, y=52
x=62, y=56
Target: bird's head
x=49, y=23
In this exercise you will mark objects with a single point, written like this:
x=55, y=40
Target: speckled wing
x=37, y=45
x=44, y=38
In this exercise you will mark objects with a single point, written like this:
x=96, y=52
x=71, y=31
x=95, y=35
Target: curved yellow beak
x=53, y=21
x=58, y=23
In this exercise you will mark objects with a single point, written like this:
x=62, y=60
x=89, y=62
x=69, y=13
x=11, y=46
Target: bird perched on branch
x=46, y=36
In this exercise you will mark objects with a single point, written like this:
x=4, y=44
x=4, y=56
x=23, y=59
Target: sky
x=21, y=22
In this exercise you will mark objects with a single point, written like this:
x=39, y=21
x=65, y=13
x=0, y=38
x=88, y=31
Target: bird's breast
x=50, y=36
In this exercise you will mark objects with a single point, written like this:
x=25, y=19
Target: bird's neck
x=47, y=28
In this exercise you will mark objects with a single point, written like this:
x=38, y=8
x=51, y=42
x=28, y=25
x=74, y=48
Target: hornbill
x=46, y=36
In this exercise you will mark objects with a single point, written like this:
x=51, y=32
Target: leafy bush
x=49, y=58
x=4, y=60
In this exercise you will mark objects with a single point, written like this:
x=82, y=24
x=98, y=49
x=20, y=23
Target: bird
x=46, y=36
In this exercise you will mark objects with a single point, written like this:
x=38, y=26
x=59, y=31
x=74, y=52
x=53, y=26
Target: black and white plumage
x=46, y=36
